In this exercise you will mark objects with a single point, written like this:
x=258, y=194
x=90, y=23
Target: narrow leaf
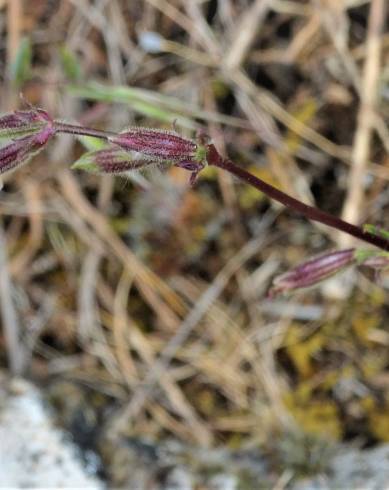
x=70, y=64
x=21, y=66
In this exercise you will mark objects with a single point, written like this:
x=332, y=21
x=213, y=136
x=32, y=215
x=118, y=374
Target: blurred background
x=138, y=305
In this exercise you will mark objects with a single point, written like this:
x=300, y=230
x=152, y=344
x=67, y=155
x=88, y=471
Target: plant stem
x=309, y=212
x=215, y=159
x=61, y=127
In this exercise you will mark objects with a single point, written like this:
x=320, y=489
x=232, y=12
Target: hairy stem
x=61, y=127
x=309, y=212
x=215, y=159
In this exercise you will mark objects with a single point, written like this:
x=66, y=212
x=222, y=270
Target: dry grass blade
x=14, y=27
x=148, y=283
x=20, y=262
x=190, y=322
x=278, y=112
x=11, y=325
x=245, y=31
x=14, y=19
x=366, y=118
x=120, y=329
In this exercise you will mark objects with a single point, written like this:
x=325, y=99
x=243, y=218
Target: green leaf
x=375, y=230
x=70, y=64
x=86, y=162
x=152, y=104
x=21, y=67
x=92, y=144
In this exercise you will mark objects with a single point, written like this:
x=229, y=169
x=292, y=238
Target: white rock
x=34, y=453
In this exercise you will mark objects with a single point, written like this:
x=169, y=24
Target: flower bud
x=111, y=161
x=23, y=123
x=162, y=145
x=21, y=150
x=313, y=271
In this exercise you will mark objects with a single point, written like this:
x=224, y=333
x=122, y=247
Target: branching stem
x=215, y=159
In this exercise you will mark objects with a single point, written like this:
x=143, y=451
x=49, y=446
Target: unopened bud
x=162, y=145
x=23, y=123
x=313, y=271
x=21, y=150
x=111, y=161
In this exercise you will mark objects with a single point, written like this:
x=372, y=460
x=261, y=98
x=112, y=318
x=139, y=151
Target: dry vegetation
x=141, y=304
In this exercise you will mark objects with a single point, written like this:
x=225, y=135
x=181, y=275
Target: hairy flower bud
x=21, y=150
x=111, y=161
x=162, y=145
x=30, y=131
x=313, y=271
x=23, y=123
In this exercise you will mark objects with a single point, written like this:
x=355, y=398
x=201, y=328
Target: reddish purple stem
x=171, y=146
x=309, y=212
